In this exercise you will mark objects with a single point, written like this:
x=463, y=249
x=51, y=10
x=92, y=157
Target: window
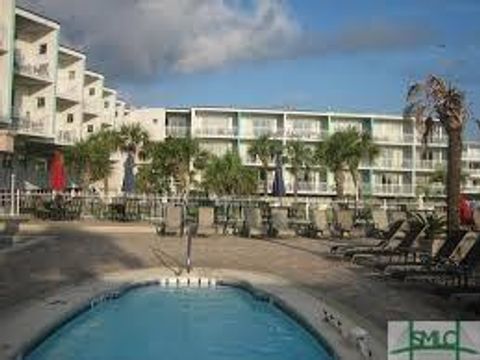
x=106, y=104
x=42, y=49
x=91, y=91
x=70, y=118
x=116, y=113
x=155, y=121
x=71, y=75
x=40, y=102
x=90, y=128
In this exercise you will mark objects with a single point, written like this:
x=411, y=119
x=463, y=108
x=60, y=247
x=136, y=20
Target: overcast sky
x=336, y=54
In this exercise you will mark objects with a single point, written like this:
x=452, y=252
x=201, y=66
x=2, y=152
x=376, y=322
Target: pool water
x=153, y=323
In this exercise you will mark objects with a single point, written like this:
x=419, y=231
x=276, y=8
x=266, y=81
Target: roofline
x=73, y=52
x=290, y=112
x=34, y=16
x=94, y=74
x=110, y=90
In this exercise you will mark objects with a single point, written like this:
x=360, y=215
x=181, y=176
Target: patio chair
x=254, y=225
x=457, y=268
x=319, y=222
x=344, y=222
x=206, y=221
x=173, y=221
x=424, y=260
x=403, y=240
x=279, y=225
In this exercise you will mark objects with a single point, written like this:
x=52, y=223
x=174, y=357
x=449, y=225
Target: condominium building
x=69, y=93
x=403, y=167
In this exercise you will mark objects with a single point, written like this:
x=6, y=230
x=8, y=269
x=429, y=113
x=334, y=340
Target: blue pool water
x=153, y=323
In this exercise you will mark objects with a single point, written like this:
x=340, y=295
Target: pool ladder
x=188, y=282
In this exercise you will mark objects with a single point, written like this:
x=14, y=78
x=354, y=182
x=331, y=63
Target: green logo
x=417, y=340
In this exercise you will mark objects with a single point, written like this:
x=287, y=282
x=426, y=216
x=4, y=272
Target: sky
x=338, y=55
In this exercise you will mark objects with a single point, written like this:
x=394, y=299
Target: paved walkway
x=71, y=253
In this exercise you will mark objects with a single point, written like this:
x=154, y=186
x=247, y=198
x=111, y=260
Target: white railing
x=92, y=107
x=39, y=70
x=72, y=93
x=3, y=39
x=216, y=131
x=400, y=138
x=429, y=164
x=262, y=131
x=392, y=189
x=176, y=131
x=393, y=163
x=303, y=133
x=30, y=126
x=67, y=136
x=471, y=189
x=308, y=187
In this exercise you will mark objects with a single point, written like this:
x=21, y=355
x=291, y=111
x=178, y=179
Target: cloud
x=142, y=39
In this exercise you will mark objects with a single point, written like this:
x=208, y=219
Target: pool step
x=188, y=282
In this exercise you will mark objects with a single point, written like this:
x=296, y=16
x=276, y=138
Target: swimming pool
x=156, y=322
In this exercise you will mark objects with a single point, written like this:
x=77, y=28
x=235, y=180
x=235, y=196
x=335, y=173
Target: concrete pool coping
x=25, y=326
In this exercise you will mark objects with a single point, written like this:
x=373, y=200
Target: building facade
x=49, y=99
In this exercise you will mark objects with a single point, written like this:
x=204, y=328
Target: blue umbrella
x=278, y=188
x=128, y=184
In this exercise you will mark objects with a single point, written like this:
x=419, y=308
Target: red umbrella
x=466, y=215
x=58, y=179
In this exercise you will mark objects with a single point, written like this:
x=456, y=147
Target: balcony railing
x=67, y=137
x=308, y=187
x=429, y=164
x=303, y=133
x=92, y=107
x=71, y=93
x=405, y=138
x=216, y=131
x=40, y=70
x=176, y=131
x=261, y=131
x=29, y=126
x=3, y=39
x=392, y=189
x=393, y=163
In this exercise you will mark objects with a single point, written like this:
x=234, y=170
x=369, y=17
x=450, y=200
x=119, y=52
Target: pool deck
x=57, y=268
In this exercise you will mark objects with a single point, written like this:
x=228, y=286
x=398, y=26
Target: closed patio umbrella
x=57, y=175
x=278, y=188
x=128, y=184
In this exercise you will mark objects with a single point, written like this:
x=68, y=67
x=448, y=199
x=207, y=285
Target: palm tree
x=182, y=156
x=343, y=151
x=435, y=101
x=132, y=138
x=299, y=156
x=264, y=148
x=227, y=176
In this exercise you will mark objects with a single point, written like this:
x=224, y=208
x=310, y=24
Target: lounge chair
x=173, y=220
x=344, y=222
x=254, y=225
x=279, y=225
x=398, y=246
x=457, y=267
x=425, y=261
x=319, y=222
x=206, y=221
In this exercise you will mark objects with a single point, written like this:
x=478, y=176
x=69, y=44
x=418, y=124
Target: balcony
x=70, y=94
x=437, y=140
x=392, y=189
x=305, y=134
x=92, y=108
x=176, y=131
x=256, y=132
x=28, y=126
x=37, y=72
x=216, y=132
x=428, y=165
x=67, y=137
x=396, y=164
x=305, y=187
x=3, y=40
x=404, y=138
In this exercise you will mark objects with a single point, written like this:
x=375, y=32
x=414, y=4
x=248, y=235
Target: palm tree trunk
x=454, y=168
x=339, y=176
x=265, y=182
x=295, y=186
